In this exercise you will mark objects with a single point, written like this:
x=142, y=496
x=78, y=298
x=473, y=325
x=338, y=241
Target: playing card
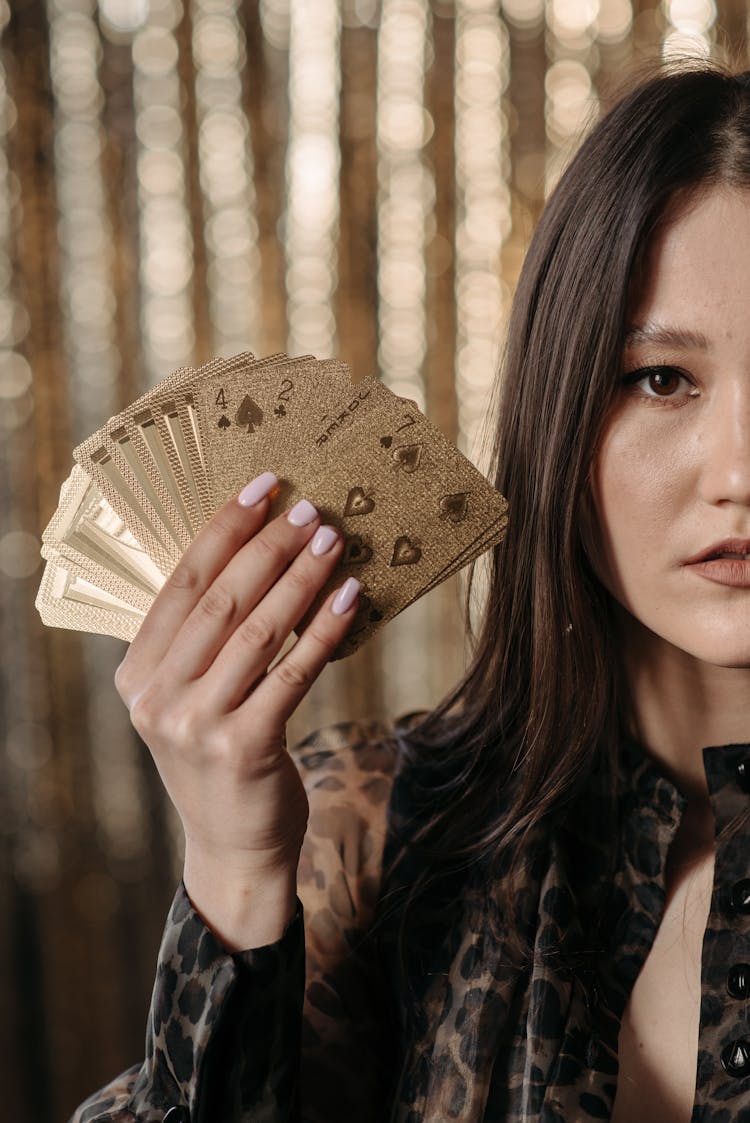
x=408, y=503
x=104, y=462
x=67, y=599
x=411, y=508
x=257, y=419
x=86, y=530
x=158, y=429
x=128, y=459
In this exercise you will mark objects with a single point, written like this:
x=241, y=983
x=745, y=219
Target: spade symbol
x=356, y=552
x=386, y=442
x=357, y=503
x=407, y=457
x=405, y=552
x=223, y=422
x=454, y=506
x=249, y=415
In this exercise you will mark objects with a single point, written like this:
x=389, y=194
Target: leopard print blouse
x=329, y=1025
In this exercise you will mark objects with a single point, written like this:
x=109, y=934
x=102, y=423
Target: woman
x=539, y=939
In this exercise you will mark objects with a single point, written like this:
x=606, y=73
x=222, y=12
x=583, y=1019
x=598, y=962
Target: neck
x=679, y=705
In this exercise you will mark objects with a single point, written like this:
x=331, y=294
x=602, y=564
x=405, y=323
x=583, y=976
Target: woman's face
x=671, y=478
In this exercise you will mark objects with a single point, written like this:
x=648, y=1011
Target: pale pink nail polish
x=301, y=513
x=323, y=539
x=345, y=597
x=257, y=489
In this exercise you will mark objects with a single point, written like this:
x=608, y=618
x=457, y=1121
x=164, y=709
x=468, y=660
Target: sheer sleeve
x=292, y=1031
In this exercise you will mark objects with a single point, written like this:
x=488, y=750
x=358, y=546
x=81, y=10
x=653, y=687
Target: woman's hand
x=197, y=685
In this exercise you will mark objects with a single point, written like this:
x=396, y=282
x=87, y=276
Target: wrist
x=244, y=910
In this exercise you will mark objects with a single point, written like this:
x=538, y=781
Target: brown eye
x=659, y=382
x=664, y=381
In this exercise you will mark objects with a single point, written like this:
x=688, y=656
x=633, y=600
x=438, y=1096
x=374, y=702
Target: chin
x=730, y=651
x=738, y=662
x=714, y=639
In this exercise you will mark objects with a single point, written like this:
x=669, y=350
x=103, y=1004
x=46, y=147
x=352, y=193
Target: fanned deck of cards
x=412, y=509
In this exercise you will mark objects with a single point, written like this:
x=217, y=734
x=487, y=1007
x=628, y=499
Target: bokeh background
x=181, y=178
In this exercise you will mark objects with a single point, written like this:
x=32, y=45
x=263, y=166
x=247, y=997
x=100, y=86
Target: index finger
x=227, y=531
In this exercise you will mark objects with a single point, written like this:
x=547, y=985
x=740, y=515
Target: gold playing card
x=411, y=508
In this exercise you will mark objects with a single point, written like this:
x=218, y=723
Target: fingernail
x=257, y=489
x=301, y=513
x=345, y=597
x=323, y=539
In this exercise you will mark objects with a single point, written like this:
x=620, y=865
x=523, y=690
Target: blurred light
x=689, y=30
x=615, y=20
x=226, y=174
x=691, y=17
x=89, y=309
x=275, y=21
x=312, y=174
x=523, y=13
x=570, y=104
x=483, y=212
x=19, y=554
x=159, y=127
x=15, y=375
x=122, y=17
x=28, y=745
x=16, y=413
x=572, y=18
x=406, y=196
x=364, y=13
x=166, y=244
x=84, y=231
x=569, y=93
x=679, y=45
x=155, y=52
x=218, y=43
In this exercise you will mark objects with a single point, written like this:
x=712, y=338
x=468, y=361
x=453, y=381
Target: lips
x=734, y=549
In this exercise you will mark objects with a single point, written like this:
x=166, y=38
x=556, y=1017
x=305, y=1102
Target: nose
x=726, y=446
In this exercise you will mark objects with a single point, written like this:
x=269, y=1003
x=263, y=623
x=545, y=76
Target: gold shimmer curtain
x=180, y=178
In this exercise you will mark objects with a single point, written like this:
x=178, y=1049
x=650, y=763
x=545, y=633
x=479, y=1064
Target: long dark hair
x=501, y=759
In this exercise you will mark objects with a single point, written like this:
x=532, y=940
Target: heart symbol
x=454, y=507
x=357, y=503
x=407, y=456
x=223, y=422
x=386, y=442
x=356, y=552
x=405, y=552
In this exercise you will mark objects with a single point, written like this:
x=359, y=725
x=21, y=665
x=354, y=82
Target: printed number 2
x=409, y=421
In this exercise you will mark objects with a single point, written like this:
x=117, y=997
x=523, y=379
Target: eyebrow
x=665, y=336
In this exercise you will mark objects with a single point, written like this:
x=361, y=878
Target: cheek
x=637, y=494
